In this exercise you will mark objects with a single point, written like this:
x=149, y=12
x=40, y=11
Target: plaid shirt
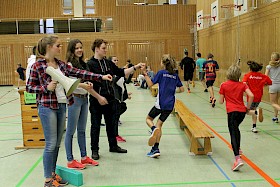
x=39, y=80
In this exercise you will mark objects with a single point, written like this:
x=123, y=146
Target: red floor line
x=247, y=160
x=10, y=116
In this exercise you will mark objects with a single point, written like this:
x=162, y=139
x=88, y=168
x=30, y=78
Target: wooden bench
x=154, y=90
x=194, y=128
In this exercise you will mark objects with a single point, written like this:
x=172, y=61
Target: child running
x=256, y=81
x=167, y=81
x=232, y=92
x=210, y=67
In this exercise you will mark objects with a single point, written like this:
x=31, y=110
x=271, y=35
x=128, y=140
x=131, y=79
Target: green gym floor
x=175, y=167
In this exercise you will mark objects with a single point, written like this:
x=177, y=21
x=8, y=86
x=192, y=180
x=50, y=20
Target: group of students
x=96, y=76
x=105, y=99
x=207, y=72
x=232, y=91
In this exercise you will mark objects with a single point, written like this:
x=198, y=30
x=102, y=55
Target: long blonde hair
x=274, y=62
x=43, y=43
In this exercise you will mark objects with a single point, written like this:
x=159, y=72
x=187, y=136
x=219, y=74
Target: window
x=67, y=7
x=89, y=7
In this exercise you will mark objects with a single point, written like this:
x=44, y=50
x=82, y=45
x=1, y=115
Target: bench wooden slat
x=194, y=129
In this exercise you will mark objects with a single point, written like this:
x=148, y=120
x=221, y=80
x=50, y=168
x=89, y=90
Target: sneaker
x=117, y=149
x=213, y=102
x=210, y=100
x=153, y=137
x=52, y=183
x=260, y=114
x=275, y=120
x=254, y=130
x=237, y=165
x=205, y=90
x=89, y=161
x=120, y=139
x=75, y=165
x=95, y=155
x=189, y=90
x=154, y=153
x=60, y=180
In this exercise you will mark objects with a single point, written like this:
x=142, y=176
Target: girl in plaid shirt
x=51, y=101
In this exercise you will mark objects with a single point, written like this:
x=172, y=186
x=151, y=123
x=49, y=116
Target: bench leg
x=194, y=146
x=207, y=146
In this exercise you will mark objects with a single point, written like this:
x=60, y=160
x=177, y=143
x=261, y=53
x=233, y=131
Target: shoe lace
x=57, y=177
x=55, y=184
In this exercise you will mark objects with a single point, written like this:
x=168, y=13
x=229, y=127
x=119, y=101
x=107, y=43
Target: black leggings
x=234, y=120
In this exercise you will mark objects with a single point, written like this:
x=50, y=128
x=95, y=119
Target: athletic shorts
x=154, y=112
x=210, y=83
x=201, y=76
x=254, y=105
x=188, y=76
x=274, y=88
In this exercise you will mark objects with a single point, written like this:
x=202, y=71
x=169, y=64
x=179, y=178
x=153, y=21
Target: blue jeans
x=77, y=118
x=53, y=122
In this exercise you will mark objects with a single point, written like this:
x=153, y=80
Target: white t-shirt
x=59, y=90
x=31, y=60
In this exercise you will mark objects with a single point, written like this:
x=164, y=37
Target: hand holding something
x=140, y=65
x=107, y=77
x=86, y=85
x=52, y=85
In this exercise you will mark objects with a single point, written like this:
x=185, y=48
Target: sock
x=254, y=125
x=237, y=157
x=153, y=127
x=155, y=146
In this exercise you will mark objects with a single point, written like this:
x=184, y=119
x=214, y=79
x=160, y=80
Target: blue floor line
x=221, y=170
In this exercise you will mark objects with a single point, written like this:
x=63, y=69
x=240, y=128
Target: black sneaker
x=95, y=155
x=213, y=102
x=205, y=90
x=117, y=149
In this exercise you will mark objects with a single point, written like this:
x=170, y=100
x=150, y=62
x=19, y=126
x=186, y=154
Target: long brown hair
x=169, y=63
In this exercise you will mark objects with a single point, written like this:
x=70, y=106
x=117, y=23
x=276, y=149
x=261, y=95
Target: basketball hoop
x=207, y=21
x=231, y=6
x=192, y=27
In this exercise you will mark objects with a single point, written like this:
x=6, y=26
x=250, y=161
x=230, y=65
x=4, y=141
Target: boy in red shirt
x=232, y=92
x=256, y=81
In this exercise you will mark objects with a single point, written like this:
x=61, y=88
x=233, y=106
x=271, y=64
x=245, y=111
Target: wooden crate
x=32, y=130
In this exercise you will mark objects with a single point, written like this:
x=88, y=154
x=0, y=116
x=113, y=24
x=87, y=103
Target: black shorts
x=188, y=76
x=22, y=77
x=210, y=83
x=154, y=112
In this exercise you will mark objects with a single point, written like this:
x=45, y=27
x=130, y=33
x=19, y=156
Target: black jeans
x=234, y=120
x=96, y=111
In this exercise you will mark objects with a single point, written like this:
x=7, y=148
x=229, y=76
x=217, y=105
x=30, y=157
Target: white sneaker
x=254, y=130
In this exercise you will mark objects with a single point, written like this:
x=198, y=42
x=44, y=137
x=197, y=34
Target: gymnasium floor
x=175, y=167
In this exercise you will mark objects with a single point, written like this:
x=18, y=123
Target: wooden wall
x=252, y=36
x=151, y=34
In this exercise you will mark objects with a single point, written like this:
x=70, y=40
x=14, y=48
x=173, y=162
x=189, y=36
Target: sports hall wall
x=141, y=33
x=252, y=36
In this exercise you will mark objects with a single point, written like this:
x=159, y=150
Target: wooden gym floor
x=175, y=167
